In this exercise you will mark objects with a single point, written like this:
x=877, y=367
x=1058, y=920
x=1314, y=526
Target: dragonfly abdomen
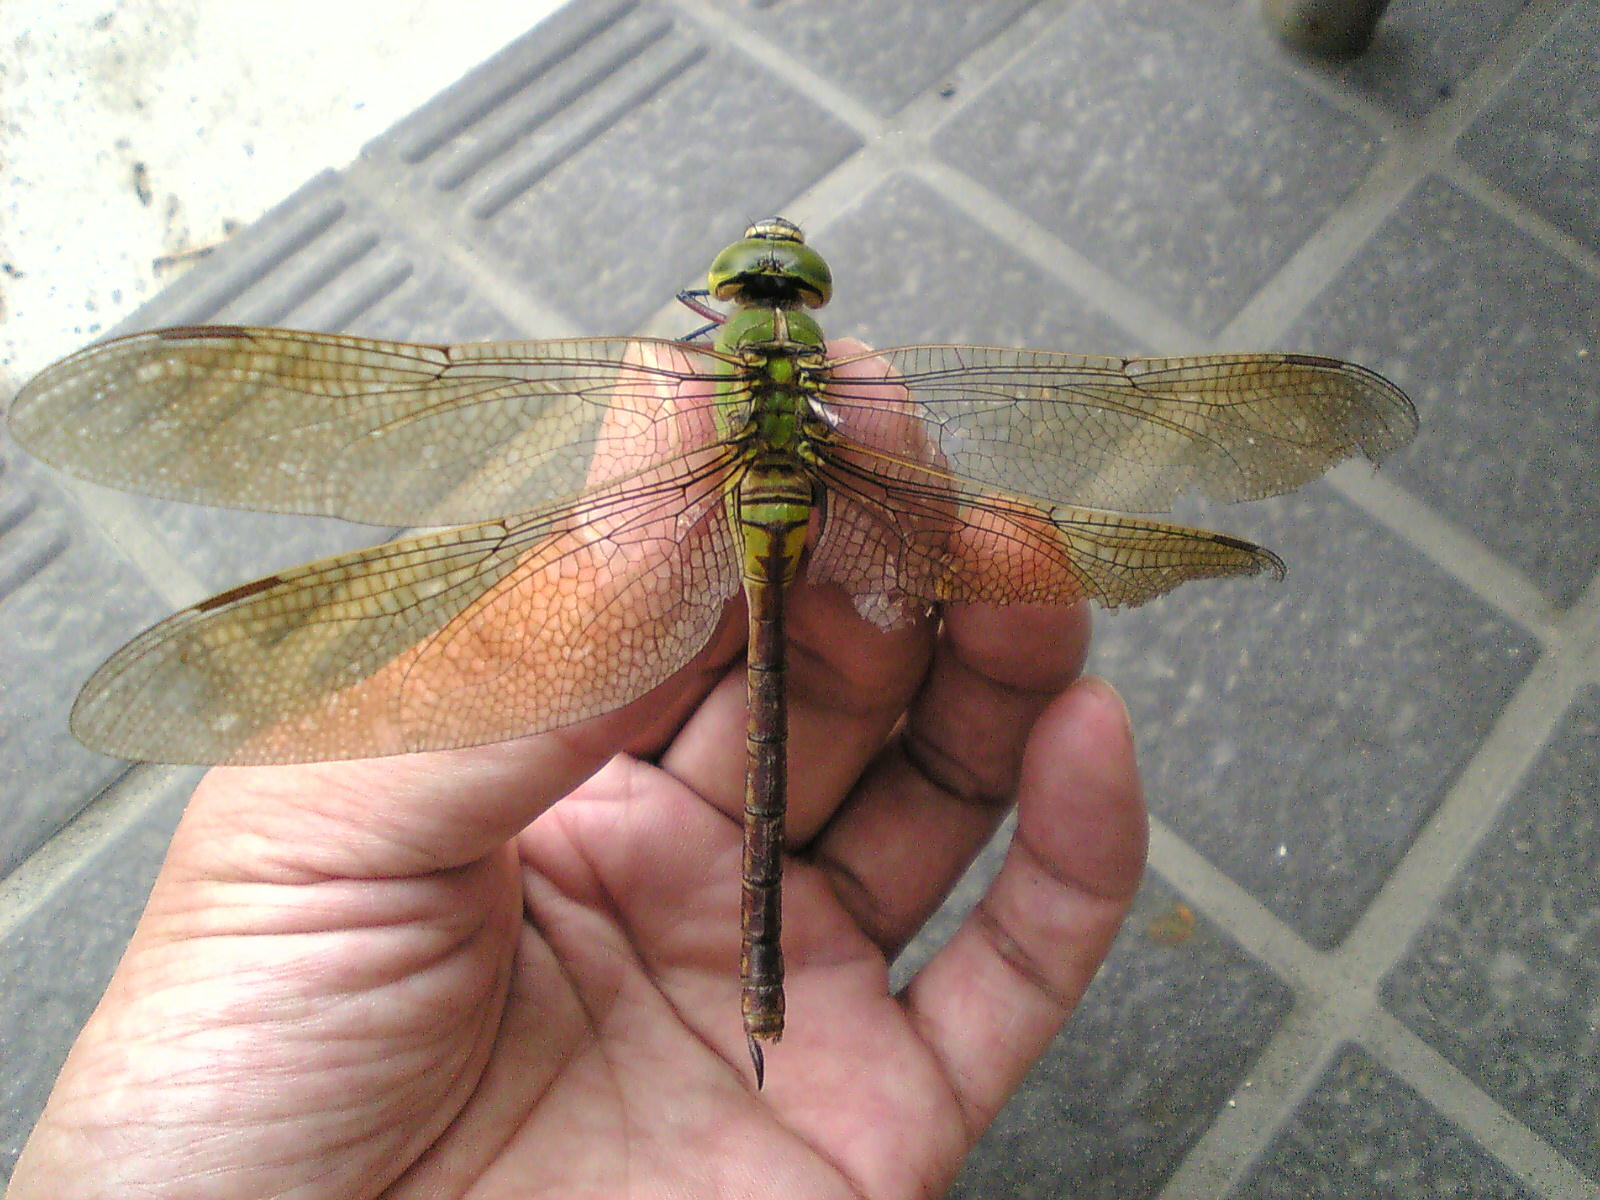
x=773, y=512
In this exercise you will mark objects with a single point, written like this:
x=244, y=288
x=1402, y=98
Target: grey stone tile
x=1168, y=1030
x=1423, y=49
x=1299, y=734
x=326, y=259
x=603, y=162
x=1493, y=335
x=1540, y=138
x=1505, y=980
x=55, y=965
x=65, y=593
x=1365, y=1135
x=882, y=52
x=1164, y=151
x=908, y=268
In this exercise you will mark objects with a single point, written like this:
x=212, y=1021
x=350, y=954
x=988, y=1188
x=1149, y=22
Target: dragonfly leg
x=694, y=300
x=697, y=334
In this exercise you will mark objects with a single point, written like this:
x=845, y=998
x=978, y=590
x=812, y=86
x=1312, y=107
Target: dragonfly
x=607, y=498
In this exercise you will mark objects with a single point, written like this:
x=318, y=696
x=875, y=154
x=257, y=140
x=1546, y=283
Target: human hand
x=388, y=978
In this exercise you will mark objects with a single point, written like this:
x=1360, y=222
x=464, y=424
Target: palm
x=381, y=978
x=638, y=1032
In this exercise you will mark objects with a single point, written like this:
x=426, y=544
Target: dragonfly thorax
x=766, y=333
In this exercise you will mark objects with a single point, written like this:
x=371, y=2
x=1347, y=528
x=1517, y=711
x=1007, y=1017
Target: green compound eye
x=772, y=265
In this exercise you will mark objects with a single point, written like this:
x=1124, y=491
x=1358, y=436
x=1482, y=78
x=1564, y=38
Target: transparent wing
x=899, y=537
x=1130, y=434
x=457, y=638
x=382, y=432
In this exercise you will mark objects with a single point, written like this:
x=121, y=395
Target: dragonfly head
x=771, y=266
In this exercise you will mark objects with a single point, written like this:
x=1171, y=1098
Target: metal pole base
x=1331, y=28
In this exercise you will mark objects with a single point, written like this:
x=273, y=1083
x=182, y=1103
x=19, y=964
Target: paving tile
x=553, y=161
x=52, y=562
x=881, y=52
x=1422, y=51
x=1168, y=1030
x=908, y=268
x=55, y=963
x=1540, y=138
x=1299, y=734
x=1163, y=151
x=1363, y=1134
x=1493, y=336
x=1505, y=980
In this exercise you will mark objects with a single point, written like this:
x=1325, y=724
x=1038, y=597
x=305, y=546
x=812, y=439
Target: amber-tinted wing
x=382, y=432
x=979, y=474
x=1133, y=435
x=456, y=638
x=899, y=537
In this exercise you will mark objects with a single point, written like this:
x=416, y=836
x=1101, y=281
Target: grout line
x=1459, y=1100
x=1415, y=152
x=975, y=68
x=1216, y=894
x=723, y=27
x=1517, y=214
x=1337, y=992
x=103, y=823
x=1332, y=246
x=1149, y=326
x=1285, y=1073
x=417, y=223
x=1469, y=813
x=901, y=144
x=1582, y=622
x=1454, y=550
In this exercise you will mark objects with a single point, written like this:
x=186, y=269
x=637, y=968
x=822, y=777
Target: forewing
x=383, y=432
x=456, y=638
x=1130, y=434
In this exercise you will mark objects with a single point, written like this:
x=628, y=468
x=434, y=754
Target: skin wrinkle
x=926, y=760
x=800, y=650
x=1023, y=964
x=618, y=915
x=973, y=1123
x=852, y=891
x=855, y=896
x=511, y=1128
x=530, y=926
x=533, y=925
x=932, y=765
